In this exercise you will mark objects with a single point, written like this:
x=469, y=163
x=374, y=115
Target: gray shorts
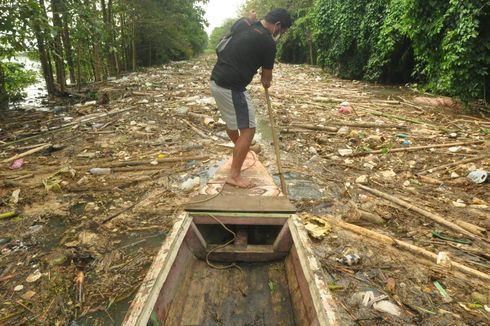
x=236, y=107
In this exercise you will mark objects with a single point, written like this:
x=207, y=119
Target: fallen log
x=406, y=246
x=416, y=148
x=436, y=218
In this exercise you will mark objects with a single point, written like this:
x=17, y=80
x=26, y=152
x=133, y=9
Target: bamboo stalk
x=366, y=125
x=29, y=152
x=163, y=160
x=436, y=218
x=8, y=215
x=416, y=148
x=276, y=143
x=407, y=246
x=471, y=227
x=313, y=127
x=449, y=165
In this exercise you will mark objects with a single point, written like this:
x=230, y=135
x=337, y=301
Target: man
x=249, y=46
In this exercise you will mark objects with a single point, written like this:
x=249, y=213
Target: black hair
x=280, y=15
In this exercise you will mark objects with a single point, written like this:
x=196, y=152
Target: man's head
x=281, y=19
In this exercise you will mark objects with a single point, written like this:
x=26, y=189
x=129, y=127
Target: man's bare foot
x=239, y=182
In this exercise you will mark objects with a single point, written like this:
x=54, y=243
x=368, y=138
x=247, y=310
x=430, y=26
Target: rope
x=222, y=246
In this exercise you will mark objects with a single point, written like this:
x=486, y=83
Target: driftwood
x=416, y=148
x=471, y=227
x=366, y=125
x=449, y=165
x=313, y=127
x=370, y=217
x=29, y=152
x=67, y=126
x=406, y=246
x=163, y=160
x=199, y=132
x=135, y=93
x=436, y=218
x=397, y=117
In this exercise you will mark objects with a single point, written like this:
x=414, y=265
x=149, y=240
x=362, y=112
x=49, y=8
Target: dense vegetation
x=442, y=45
x=89, y=40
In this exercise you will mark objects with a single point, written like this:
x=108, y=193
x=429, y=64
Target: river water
x=35, y=93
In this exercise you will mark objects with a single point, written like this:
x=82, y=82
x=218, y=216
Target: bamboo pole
x=406, y=246
x=416, y=148
x=29, y=152
x=276, y=143
x=436, y=218
x=313, y=127
x=449, y=165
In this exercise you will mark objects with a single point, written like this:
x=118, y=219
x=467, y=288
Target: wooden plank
x=251, y=215
x=229, y=297
x=176, y=275
x=142, y=305
x=241, y=240
x=195, y=241
x=301, y=318
x=322, y=308
x=263, y=220
x=252, y=253
x=284, y=241
x=230, y=203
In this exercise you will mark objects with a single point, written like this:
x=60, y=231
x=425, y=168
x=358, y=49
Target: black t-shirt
x=249, y=48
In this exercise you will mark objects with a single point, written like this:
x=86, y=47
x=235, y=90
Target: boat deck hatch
x=249, y=237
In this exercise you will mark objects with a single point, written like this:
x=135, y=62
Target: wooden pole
x=417, y=148
x=436, y=218
x=275, y=140
x=406, y=246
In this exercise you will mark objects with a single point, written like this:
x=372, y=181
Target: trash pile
x=89, y=191
x=402, y=226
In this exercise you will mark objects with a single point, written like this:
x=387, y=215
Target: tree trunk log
x=57, y=45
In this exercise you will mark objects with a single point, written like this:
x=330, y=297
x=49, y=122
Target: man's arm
x=266, y=77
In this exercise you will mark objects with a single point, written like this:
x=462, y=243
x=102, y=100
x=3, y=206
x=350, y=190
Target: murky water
x=35, y=93
x=300, y=186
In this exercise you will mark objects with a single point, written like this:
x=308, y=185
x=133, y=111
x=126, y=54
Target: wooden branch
x=436, y=218
x=366, y=125
x=471, y=227
x=449, y=165
x=29, y=152
x=163, y=160
x=313, y=127
x=199, y=132
x=406, y=246
x=397, y=117
x=67, y=126
x=416, y=148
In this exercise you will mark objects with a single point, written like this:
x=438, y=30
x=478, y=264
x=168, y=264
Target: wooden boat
x=266, y=275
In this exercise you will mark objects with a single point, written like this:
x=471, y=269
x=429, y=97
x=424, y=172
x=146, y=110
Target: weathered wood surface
x=149, y=291
x=253, y=170
x=258, y=296
x=234, y=203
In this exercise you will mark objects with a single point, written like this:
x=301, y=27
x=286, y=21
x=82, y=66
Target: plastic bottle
x=100, y=171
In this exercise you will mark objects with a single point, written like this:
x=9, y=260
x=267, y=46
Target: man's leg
x=240, y=151
x=233, y=134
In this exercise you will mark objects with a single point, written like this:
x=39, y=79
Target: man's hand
x=266, y=77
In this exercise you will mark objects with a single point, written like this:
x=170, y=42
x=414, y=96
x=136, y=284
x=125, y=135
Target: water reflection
x=35, y=93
